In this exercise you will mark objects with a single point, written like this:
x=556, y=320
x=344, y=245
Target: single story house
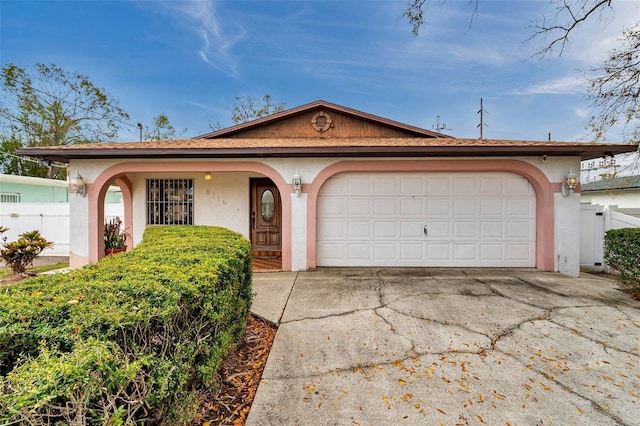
x=326, y=185
x=28, y=189
x=622, y=192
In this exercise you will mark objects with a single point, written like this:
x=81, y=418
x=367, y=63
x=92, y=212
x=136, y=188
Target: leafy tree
x=162, y=129
x=247, y=108
x=51, y=107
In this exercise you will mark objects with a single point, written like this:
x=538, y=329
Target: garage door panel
x=465, y=252
x=385, y=229
x=332, y=230
x=438, y=252
x=335, y=252
x=439, y=185
x=492, y=185
x=359, y=185
x=520, y=207
x=360, y=251
x=492, y=252
x=519, y=251
x=464, y=185
x=385, y=252
x=359, y=230
x=438, y=207
x=520, y=230
x=359, y=207
x=412, y=229
x=465, y=207
x=412, y=252
x=492, y=230
x=411, y=185
x=332, y=207
x=519, y=186
x=492, y=207
x=385, y=207
x=465, y=230
x=472, y=219
x=411, y=207
x=439, y=230
x=384, y=185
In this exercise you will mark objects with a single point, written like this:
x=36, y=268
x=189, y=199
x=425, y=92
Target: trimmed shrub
x=129, y=339
x=622, y=253
x=20, y=254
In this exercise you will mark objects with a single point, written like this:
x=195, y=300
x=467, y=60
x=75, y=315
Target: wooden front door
x=266, y=214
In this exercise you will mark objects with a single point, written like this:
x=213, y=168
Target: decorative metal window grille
x=169, y=201
x=9, y=197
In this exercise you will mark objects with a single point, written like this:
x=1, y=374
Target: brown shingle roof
x=336, y=147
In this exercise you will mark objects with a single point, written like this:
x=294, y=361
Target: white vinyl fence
x=595, y=221
x=51, y=219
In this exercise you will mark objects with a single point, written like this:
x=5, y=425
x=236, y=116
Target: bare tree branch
x=570, y=15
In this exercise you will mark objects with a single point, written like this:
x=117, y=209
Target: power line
x=44, y=163
x=35, y=89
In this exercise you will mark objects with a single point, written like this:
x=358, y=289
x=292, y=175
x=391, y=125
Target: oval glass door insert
x=268, y=205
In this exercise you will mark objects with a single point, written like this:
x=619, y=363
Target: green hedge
x=622, y=253
x=128, y=340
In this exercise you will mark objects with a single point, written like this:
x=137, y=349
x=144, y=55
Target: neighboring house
x=623, y=192
x=326, y=185
x=27, y=189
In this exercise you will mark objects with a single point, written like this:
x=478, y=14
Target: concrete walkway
x=447, y=346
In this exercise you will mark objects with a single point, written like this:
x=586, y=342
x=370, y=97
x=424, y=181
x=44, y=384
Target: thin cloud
x=216, y=43
x=581, y=112
x=561, y=86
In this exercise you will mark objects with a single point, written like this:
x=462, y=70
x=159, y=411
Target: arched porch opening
x=120, y=173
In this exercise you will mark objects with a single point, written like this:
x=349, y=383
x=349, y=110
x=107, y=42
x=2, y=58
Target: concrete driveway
x=447, y=346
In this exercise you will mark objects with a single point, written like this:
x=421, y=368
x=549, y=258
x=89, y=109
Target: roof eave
x=584, y=152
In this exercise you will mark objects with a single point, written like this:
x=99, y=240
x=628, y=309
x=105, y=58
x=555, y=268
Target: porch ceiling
x=327, y=147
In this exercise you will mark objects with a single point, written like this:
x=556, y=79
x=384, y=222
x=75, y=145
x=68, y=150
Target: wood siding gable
x=322, y=119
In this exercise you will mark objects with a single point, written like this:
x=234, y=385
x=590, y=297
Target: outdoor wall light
x=78, y=185
x=207, y=176
x=297, y=183
x=569, y=183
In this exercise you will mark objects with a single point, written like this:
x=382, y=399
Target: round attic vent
x=321, y=121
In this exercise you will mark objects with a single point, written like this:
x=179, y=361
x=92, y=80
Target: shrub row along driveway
x=425, y=346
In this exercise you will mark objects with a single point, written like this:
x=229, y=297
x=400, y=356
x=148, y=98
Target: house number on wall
x=321, y=121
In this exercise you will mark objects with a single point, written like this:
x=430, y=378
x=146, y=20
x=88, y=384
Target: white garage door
x=426, y=219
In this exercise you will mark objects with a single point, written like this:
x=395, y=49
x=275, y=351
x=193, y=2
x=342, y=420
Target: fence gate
x=591, y=237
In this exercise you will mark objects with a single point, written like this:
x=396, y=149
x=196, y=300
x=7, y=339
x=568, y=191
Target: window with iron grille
x=169, y=201
x=9, y=197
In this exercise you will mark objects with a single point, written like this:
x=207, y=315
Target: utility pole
x=481, y=125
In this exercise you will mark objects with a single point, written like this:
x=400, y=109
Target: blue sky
x=190, y=60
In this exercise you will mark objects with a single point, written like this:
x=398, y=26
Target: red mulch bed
x=238, y=378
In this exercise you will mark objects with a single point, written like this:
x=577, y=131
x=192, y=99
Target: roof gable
x=321, y=119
